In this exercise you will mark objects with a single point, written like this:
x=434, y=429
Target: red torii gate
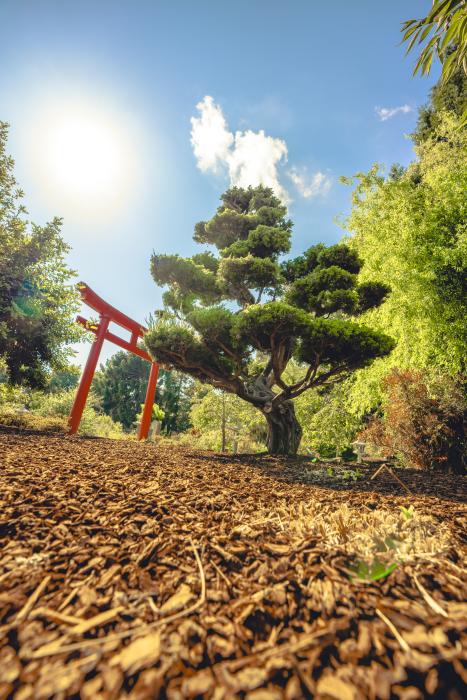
x=108, y=313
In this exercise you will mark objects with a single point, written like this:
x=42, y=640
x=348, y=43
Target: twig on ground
x=68, y=599
x=221, y=573
x=56, y=616
x=397, y=478
x=28, y=606
x=102, y=619
x=403, y=644
x=223, y=552
x=378, y=471
x=428, y=599
x=152, y=605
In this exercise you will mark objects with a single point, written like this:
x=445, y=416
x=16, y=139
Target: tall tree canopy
x=445, y=96
x=224, y=309
x=37, y=300
x=410, y=228
x=121, y=385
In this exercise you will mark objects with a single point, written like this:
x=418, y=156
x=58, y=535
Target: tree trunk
x=284, y=430
x=223, y=424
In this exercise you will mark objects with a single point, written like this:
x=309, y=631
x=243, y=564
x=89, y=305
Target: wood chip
x=144, y=570
x=28, y=606
x=96, y=621
x=139, y=654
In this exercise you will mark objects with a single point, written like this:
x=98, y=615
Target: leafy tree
x=222, y=419
x=121, y=385
x=221, y=310
x=37, y=300
x=328, y=423
x=443, y=31
x=64, y=379
x=446, y=96
x=174, y=396
x=411, y=231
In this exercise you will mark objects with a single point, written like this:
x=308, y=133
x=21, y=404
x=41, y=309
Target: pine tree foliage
x=223, y=309
x=121, y=385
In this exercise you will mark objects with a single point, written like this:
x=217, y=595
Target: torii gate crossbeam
x=108, y=314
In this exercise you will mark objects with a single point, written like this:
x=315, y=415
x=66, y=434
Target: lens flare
x=84, y=159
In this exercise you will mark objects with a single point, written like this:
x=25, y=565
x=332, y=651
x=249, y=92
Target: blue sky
x=295, y=88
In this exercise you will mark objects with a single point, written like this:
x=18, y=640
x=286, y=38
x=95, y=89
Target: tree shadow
x=351, y=477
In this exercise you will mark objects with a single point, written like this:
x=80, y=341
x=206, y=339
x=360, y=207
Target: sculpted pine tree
x=235, y=319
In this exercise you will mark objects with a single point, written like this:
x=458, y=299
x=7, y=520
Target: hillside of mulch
x=139, y=571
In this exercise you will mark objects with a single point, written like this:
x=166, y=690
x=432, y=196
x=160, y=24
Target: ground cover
x=132, y=570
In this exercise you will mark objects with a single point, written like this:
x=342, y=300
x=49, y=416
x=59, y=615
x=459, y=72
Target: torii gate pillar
x=108, y=313
x=145, y=424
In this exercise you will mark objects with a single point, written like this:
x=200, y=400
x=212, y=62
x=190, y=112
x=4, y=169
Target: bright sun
x=84, y=158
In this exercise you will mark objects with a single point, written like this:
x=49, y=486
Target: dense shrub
x=37, y=410
x=328, y=424
x=26, y=420
x=423, y=421
x=92, y=422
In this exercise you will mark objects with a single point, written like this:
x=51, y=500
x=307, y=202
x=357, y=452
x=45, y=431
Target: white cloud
x=210, y=137
x=254, y=160
x=310, y=185
x=385, y=113
x=248, y=157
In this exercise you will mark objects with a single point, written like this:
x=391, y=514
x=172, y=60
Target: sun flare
x=85, y=157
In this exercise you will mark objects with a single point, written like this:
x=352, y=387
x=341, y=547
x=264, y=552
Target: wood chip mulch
x=139, y=571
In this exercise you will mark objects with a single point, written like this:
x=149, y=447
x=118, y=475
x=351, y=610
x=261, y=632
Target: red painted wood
x=148, y=403
x=88, y=374
x=96, y=302
x=109, y=313
x=124, y=344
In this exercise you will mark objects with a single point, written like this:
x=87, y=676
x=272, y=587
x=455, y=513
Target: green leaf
x=372, y=572
x=380, y=570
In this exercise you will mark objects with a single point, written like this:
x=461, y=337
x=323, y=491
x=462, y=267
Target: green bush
x=92, y=422
x=30, y=421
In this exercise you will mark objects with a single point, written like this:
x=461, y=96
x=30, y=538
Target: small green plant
x=372, y=572
x=330, y=471
x=386, y=544
x=408, y=513
x=157, y=412
x=352, y=474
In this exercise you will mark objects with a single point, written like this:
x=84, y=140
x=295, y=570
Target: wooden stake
x=394, y=476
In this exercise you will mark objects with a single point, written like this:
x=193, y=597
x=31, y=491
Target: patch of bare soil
x=138, y=571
